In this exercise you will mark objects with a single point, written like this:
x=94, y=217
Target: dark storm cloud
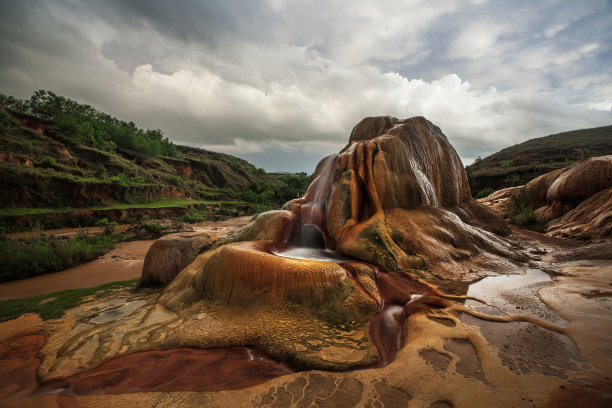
x=288, y=79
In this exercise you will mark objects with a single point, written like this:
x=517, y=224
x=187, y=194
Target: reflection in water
x=513, y=294
x=488, y=289
x=524, y=346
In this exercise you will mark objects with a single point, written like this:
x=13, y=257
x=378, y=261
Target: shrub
x=137, y=180
x=100, y=172
x=521, y=210
x=153, y=228
x=191, y=217
x=485, y=192
x=109, y=226
x=249, y=196
x=121, y=180
x=27, y=146
x=48, y=162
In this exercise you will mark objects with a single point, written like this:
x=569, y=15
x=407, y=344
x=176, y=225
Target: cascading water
x=401, y=296
x=311, y=243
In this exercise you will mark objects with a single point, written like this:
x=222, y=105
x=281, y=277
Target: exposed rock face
x=591, y=219
x=396, y=196
x=562, y=190
x=236, y=273
x=499, y=201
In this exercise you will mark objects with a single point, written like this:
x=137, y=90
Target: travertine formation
x=396, y=208
x=563, y=190
x=395, y=186
x=576, y=200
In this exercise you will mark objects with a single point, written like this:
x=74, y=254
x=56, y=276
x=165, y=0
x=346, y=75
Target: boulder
x=170, y=254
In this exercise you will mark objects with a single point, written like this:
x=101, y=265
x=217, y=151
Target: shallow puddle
x=524, y=347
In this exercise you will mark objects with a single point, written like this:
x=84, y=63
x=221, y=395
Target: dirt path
x=122, y=263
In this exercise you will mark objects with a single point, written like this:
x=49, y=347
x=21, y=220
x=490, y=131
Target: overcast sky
x=281, y=83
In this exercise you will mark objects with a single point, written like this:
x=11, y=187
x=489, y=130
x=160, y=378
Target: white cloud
x=298, y=85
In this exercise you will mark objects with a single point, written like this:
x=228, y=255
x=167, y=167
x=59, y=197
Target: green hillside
x=57, y=153
x=516, y=165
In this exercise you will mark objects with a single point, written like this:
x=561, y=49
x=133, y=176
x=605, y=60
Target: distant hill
x=57, y=153
x=518, y=164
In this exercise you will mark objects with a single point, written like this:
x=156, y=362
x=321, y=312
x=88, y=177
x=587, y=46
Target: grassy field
x=179, y=202
x=53, y=305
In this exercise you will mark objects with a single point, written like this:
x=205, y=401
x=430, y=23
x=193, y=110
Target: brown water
x=193, y=370
x=124, y=262
x=65, y=232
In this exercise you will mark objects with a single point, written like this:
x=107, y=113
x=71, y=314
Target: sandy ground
x=124, y=262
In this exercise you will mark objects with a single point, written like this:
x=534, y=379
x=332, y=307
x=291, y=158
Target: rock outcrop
x=171, y=254
x=576, y=200
x=392, y=171
x=395, y=197
x=563, y=190
x=591, y=219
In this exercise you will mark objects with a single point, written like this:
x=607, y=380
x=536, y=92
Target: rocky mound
x=393, y=206
x=577, y=199
x=395, y=186
x=562, y=190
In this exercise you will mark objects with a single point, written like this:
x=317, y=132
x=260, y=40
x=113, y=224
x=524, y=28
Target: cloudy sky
x=282, y=82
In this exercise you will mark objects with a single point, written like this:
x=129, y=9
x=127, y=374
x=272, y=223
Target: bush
x=100, y=172
x=249, y=196
x=191, y=217
x=153, y=228
x=521, y=210
x=27, y=146
x=485, y=192
x=121, y=180
x=109, y=226
x=48, y=162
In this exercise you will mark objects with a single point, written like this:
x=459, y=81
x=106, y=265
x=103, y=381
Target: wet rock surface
x=379, y=328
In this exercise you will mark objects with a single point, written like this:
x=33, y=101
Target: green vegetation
x=518, y=164
x=22, y=258
x=153, y=228
x=61, y=155
x=90, y=126
x=109, y=226
x=53, y=305
x=485, y=192
x=191, y=217
x=521, y=210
